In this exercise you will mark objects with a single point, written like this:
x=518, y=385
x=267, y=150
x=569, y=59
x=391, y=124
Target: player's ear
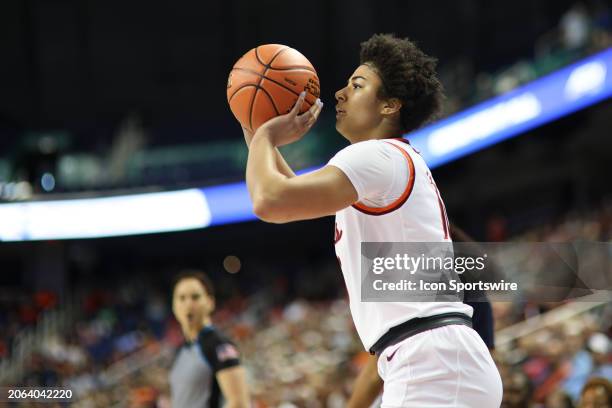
x=391, y=106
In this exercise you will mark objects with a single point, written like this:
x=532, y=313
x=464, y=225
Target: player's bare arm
x=277, y=198
x=232, y=382
x=367, y=386
x=283, y=167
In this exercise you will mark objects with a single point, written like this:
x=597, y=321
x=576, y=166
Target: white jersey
x=398, y=201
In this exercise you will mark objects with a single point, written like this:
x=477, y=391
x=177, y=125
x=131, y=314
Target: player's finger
x=316, y=110
x=310, y=116
x=298, y=105
x=319, y=108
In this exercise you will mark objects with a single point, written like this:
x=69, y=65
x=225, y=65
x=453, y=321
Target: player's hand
x=248, y=136
x=285, y=129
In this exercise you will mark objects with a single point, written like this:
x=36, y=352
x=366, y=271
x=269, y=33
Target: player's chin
x=341, y=129
x=339, y=124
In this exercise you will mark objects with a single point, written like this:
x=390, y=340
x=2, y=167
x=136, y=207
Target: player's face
x=358, y=110
x=191, y=304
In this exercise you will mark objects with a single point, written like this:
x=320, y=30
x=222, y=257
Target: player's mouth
x=340, y=112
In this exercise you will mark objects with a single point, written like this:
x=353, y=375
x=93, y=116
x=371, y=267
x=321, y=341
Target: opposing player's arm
x=482, y=318
x=367, y=386
x=232, y=382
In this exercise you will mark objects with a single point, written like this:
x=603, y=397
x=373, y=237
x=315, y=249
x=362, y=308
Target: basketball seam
x=271, y=100
x=266, y=66
x=294, y=67
x=257, y=88
x=284, y=68
x=242, y=87
x=269, y=79
x=259, y=59
x=263, y=89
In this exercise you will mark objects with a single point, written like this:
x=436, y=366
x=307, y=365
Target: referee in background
x=206, y=371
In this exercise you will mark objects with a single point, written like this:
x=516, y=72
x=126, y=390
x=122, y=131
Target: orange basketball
x=267, y=81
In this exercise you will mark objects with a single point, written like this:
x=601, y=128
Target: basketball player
x=207, y=367
x=381, y=190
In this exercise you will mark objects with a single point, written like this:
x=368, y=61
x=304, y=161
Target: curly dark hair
x=407, y=74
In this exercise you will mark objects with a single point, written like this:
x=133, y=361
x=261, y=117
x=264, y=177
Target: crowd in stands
x=305, y=353
x=551, y=367
x=584, y=29
x=20, y=311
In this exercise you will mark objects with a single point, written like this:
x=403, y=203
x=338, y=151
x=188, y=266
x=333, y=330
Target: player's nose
x=340, y=95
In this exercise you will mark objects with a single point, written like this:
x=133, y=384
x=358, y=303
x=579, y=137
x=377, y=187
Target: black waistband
x=418, y=325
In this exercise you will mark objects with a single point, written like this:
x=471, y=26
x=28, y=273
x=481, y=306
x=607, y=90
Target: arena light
x=229, y=203
x=527, y=107
x=104, y=217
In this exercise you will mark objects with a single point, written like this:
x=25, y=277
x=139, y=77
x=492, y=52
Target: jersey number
x=443, y=215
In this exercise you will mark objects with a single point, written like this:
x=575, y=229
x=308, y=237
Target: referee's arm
x=224, y=359
x=232, y=382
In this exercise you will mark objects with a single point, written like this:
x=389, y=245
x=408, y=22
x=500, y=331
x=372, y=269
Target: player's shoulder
x=368, y=149
x=365, y=144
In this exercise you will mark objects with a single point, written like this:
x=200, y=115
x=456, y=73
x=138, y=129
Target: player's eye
x=355, y=86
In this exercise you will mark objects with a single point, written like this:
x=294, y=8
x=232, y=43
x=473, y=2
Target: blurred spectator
x=575, y=27
x=599, y=345
x=558, y=399
x=593, y=360
x=597, y=393
x=496, y=229
x=517, y=389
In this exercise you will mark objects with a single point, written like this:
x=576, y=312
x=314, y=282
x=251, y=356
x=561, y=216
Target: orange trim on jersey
x=401, y=139
x=401, y=199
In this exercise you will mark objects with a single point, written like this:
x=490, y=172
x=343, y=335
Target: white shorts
x=445, y=367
